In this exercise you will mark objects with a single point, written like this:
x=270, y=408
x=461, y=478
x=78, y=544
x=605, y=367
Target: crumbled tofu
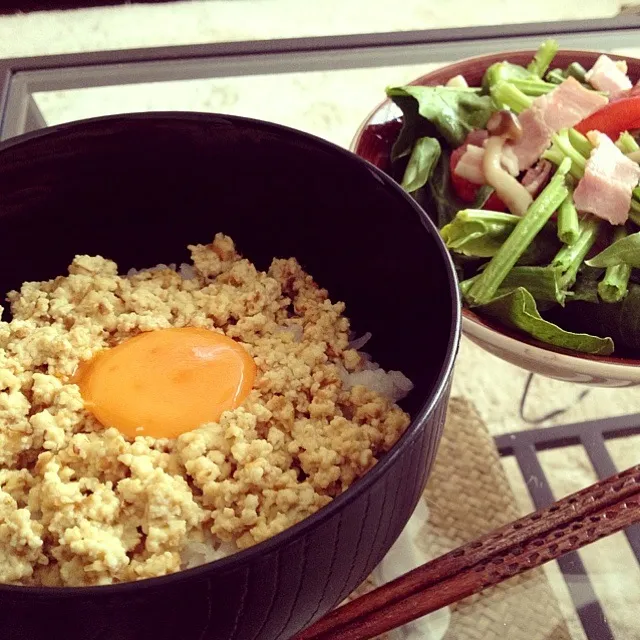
x=81, y=504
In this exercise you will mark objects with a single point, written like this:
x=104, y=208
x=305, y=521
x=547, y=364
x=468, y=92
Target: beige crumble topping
x=80, y=504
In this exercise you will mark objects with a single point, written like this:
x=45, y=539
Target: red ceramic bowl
x=373, y=141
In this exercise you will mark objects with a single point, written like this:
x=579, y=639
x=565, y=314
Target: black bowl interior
x=138, y=189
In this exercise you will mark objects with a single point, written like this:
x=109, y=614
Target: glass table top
x=327, y=86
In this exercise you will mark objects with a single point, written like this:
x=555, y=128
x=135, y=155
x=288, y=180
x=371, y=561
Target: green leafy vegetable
x=620, y=320
x=614, y=286
x=586, y=287
x=533, y=88
x=627, y=143
x=529, y=83
x=623, y=251
x=515, y=245
x=568, y=224
x=562, y=142
x=577, y=71
x=424, y=157
x=414, y=126
x=506, y=95
x=483, y=195
x=544, y=57
x=580, y=143
x=570, y=257
x=555, y=76
x=478, y=233
x=504, y=72
x=442, y=199
x=517, y=309
x=543, y=283
x=454, y=112
x=569, y=143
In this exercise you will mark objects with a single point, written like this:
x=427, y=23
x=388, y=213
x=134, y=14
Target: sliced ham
x=607, y=75
x=565, y=106
x=568, y=104
x=536, y=178
x=536, y=138
x=609, y=178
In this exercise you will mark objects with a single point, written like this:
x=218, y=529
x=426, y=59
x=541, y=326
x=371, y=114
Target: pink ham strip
x=563, y=107
x=568, y=104
x=609, y=178
x=607, y=75
x=536, y=137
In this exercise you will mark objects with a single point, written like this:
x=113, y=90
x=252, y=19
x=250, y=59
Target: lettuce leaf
x=454, y=112
x=424, y=157
x=624, y=251
x=517, y=310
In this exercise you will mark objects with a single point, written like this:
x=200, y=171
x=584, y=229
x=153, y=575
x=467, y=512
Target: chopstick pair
x=598, y=511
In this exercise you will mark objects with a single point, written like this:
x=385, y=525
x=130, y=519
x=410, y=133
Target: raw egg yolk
x=166, y=382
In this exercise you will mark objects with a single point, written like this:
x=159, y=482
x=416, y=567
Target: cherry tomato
x=467, y=191
x=614, y=118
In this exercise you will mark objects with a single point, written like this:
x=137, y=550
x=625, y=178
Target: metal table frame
x=20, y=78
x=592, y=436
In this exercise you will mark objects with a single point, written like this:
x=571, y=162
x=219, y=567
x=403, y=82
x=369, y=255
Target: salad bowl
x=619, y=367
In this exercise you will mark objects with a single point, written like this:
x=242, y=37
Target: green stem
x=561, y=139
x=557, y=157
x=576, y=70
x=533, y=87
x=544, y=55
x=520, y=238
x=506, y=94
x=580, y=142
x=570, y=257
x=626, y=143
x=568, y=224
x=486, y=215
x=563, y=147
x=541, y=282
x=614, y=285
x=555, y=76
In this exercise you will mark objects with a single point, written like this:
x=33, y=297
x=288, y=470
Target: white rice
x=391, y=384
x=196, y=553
x=358, y=343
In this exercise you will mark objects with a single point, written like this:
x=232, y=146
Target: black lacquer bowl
x=138, y=189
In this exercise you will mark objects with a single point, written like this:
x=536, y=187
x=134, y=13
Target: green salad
x=532, y=178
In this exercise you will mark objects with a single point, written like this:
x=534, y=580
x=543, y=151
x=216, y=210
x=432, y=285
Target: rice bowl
x=138, y=189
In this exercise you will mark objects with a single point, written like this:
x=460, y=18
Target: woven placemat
x=468, y=494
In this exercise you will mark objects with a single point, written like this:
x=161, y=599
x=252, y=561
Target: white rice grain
x=195, y=553
x=358, y=343
x=187, y=271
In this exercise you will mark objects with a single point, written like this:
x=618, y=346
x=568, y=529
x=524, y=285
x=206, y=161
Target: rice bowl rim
x=365, y=482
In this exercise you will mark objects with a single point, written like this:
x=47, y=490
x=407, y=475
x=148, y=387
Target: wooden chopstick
x=569, y=524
